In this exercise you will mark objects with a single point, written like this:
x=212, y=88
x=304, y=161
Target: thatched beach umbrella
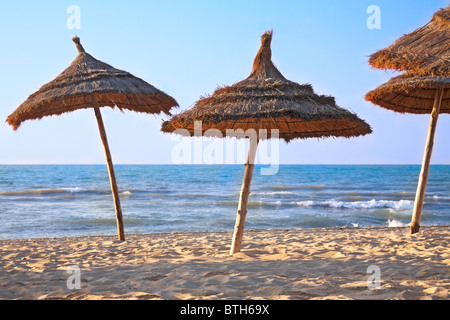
x=421, y=95
x=266, y=100
x=90, y=83
x=425, y=56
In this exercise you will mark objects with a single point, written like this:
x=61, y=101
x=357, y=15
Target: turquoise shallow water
x=73, y=200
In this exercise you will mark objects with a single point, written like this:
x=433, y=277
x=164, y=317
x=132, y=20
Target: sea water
x=76, y=200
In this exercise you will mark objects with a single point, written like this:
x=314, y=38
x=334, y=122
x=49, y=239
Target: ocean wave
x=390, y=222
x=317, y=186
x=371, y=204
x=126, y=194
x=320, y=186
x=392, y=206
x=50, y=192
x=277, y=188
x=40, y=191
x=109, y=221
x=395, y=223
x=271, y=193
x=193, y=195
x=367, y=194
x=157, y=195
x=352, y=198
x=403, y=193
x=436, y=197
x=73, y=190
x=250, y=204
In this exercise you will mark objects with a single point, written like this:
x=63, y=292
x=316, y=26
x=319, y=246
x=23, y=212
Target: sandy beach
x=299, y=264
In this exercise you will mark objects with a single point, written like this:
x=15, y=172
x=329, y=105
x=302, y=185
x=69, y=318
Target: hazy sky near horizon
x=188, y=49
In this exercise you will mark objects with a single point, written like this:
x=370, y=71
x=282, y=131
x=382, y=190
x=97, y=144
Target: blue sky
x=187, y=49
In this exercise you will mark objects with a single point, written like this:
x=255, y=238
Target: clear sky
x=189, y=48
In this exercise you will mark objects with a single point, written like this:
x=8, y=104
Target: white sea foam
x=442, y=198
x=371, y=204
x=395, y=223
x=73, y=190
x=307, y=203
x=272, y=193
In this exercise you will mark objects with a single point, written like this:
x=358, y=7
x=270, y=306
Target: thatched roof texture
x=424, y=56
x=76, y=86
x=267, y=100
x=425, y=51
x=411, y=94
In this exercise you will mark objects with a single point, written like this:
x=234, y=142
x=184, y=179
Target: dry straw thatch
x=267, y=100
x=411, y=94
x=76, y=86
x=425, y=51
x=90, y=83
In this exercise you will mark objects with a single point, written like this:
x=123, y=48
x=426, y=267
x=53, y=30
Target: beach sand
x=325, y=263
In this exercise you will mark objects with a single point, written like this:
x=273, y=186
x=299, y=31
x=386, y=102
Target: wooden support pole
x=112, y=176
x=243, y=199
x=423, y=177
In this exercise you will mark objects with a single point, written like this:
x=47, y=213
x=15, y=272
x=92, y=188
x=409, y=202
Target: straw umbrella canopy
x=425, y=51
x=264, y=102
x=424, y=55
x=408, y=93
x=90, y=83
